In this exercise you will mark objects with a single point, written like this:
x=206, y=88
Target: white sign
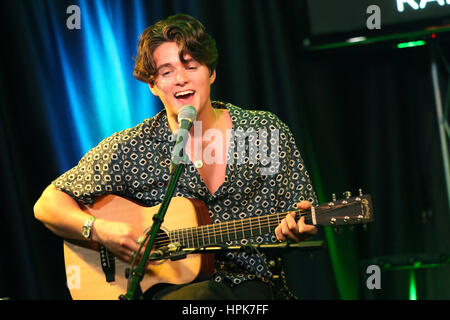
x=419, y=4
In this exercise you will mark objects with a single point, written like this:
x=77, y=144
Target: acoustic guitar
x=94, y=273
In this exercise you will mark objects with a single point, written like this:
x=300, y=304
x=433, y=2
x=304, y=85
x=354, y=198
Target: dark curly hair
x=187, y=32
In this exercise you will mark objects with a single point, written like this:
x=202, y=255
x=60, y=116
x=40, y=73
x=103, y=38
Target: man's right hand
x=118, y=237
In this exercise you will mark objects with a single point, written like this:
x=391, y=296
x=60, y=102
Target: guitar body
x=85, y=276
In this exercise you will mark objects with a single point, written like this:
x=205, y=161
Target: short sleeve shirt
x=265, y=174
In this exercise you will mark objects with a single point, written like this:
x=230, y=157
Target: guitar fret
x=216, y=235
x=179, y=237
x=211, y=240
x=228, y=231
x=183, y=243
x=186, y=230
x=208, y=233
x=192, y=236
x=251, y=230
x=259, y=226
x=197, y=236
x=186, y=243
x=188, y=238
x=183, y=240
x=203, y=235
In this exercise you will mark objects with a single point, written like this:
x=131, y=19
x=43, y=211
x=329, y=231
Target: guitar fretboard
x=348, y=211
x=220, y=233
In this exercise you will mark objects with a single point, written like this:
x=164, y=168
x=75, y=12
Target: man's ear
x=153, y=89
x=212, y=77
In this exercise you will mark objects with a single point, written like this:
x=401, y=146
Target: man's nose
x=182, y=77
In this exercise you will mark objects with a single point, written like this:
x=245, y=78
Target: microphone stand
x=186, y=117
x=134, y=291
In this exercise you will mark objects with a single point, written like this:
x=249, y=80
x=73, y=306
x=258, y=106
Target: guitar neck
x=348, y=211
x=220, y=233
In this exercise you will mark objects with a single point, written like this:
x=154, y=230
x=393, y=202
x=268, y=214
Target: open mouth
x=184, y=95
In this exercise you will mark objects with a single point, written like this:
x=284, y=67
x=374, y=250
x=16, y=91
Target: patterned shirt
x=265, y=174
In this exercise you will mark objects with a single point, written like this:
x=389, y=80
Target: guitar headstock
x=346, y=211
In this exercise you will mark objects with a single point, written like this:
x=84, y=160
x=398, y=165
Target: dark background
x=363, y=117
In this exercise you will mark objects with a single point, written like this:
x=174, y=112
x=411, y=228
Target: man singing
x=177, y=58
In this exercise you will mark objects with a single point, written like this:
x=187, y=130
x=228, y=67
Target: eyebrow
x=168, y=64
x=163, y=66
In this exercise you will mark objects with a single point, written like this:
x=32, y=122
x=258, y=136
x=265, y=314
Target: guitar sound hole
x=161, y=240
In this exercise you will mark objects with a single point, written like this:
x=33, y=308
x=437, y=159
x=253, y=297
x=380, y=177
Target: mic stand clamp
x=173, y=252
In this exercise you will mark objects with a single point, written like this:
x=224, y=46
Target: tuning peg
x=347, y=194
x=360, y=192
x=333, y=197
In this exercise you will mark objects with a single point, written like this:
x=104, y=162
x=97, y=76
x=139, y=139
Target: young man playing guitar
x=177, y=58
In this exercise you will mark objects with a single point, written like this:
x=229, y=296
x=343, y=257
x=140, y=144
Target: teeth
x=183, y=93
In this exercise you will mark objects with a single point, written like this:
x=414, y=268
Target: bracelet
x=86, y=230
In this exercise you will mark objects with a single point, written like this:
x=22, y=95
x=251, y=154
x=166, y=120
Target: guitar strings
x=246, y=224
x=239, y=226
x=187, y=235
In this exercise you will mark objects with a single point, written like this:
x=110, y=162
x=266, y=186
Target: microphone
x=186, y=117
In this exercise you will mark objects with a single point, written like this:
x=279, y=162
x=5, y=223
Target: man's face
x=178, y=84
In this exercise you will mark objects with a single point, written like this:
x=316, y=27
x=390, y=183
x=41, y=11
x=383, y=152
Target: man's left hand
x=295, y=230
